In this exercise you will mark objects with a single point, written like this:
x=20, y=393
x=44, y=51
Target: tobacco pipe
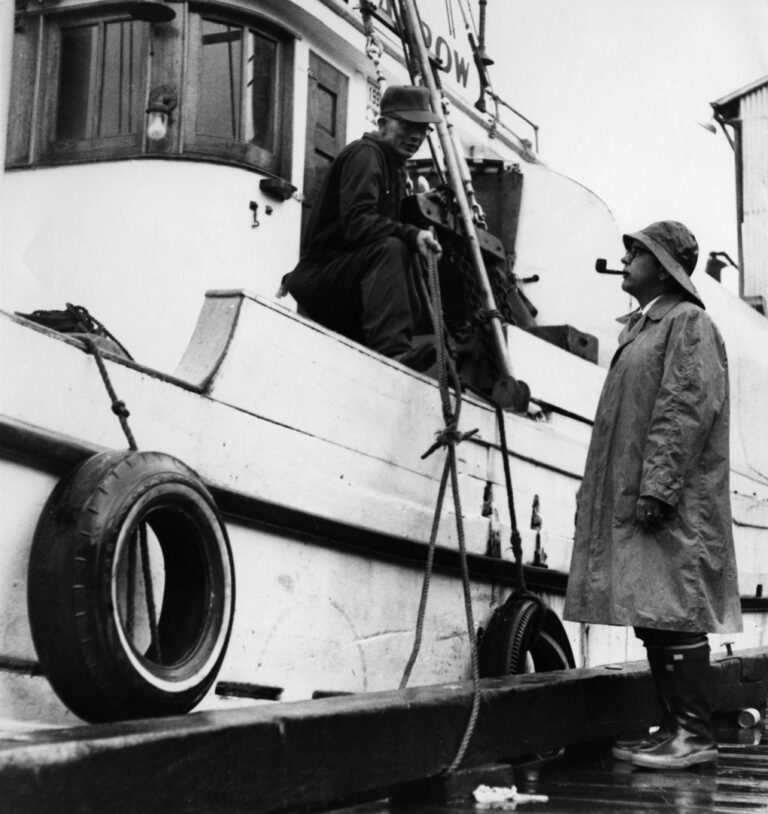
x=600, y=267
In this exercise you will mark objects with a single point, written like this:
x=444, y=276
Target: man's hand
x=426, y=243
x=650, y=511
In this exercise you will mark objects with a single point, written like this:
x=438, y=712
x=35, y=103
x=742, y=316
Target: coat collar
x=634, y=321
x=663, y=305
x=389, y=151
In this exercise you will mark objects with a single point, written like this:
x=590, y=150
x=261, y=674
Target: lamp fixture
x=162, y=100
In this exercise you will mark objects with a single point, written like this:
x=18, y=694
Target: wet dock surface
x=320, y=755
x=590, y=781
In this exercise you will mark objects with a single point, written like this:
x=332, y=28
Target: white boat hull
x=312, y=445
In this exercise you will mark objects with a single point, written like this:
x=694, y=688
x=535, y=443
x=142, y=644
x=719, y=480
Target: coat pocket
x=625, y=501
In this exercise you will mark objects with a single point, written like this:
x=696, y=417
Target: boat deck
x=591, y=781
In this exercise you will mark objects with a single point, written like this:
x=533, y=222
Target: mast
x=507, y=392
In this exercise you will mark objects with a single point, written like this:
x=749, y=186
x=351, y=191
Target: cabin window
x=236, y=102
x=76, y=92
x=100, y=68
x=82, y=82
x=237, y=85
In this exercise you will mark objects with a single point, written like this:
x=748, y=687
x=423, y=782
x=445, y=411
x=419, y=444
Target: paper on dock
x=504, y=798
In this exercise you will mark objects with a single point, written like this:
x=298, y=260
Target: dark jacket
x=354, y=232
x=359, y=201
x=661, y=430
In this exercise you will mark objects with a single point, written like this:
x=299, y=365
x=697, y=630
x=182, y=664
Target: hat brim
x=415, y=116
x=675, y=270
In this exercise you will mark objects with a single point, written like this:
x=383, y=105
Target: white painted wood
x=210, y=340
x=310, y=618
x=297, y=416
x=542, y=364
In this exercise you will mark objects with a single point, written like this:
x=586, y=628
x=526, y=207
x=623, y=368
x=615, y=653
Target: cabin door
x=326, y=126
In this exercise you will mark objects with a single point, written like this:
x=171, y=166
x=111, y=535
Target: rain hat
x=675, y=247
x=408, y=102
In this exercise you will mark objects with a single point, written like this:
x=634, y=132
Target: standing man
x=653, y=546
x=355, y=274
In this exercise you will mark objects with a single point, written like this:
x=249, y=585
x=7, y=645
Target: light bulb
x=157, y=125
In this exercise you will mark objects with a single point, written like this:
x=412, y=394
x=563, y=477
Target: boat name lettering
x=451, y=57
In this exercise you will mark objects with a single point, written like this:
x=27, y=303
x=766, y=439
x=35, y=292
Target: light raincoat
x=661, y=430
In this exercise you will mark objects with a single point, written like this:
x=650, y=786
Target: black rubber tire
x=83, y=614
x=524, y=626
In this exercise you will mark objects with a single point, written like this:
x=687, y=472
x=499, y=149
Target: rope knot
x=447, y=437
x=119, y=409
x=483, y=317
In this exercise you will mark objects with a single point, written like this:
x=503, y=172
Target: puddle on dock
x=587, y=780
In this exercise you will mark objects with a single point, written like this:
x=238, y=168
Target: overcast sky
x=618, y=88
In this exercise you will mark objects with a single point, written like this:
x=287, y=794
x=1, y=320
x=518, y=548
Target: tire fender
x=91, y=601
x=524, y=626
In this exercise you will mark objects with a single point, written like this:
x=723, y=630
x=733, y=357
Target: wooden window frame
x=35, y=87
x=236, y=151
x=49, y=149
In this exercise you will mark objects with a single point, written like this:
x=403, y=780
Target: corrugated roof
x=725, y=101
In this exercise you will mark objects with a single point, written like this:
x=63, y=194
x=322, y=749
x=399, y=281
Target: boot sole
x=625, y=752
x=652, y=762
x=625, y=749
x=621, y=754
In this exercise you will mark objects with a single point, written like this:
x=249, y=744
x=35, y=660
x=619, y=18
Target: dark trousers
x=368, y=295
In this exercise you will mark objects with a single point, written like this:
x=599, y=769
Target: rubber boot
x=693, y=743
x=623, y=749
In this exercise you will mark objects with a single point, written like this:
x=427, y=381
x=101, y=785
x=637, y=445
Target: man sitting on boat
x=355, y=273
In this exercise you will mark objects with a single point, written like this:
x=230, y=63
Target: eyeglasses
x=636, y=251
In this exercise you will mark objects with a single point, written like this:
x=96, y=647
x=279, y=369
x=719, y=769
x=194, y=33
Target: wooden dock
x=595, y=783
x=313, y=755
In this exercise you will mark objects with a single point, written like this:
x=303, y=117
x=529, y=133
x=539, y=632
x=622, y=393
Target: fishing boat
x=207, y=498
